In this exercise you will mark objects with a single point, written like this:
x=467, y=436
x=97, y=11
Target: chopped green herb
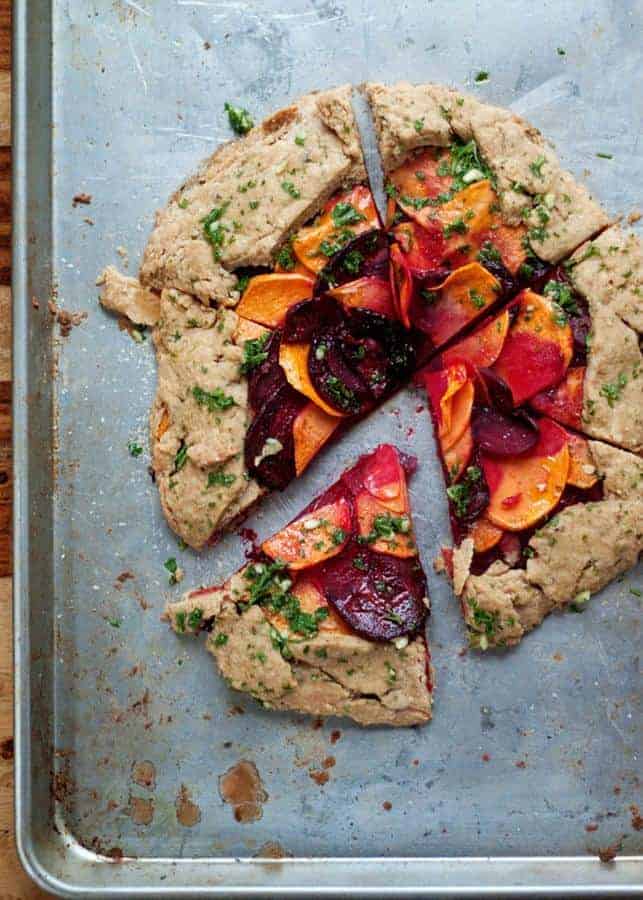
x=239, y=118
x=353, y=261
x=636, y=592
x=605, y=156
x=184, y=202
x=560, y=51
x=181, y=458
x=222, y=479
x=213, y=400
x=221, y=640
x=460, y=494
x=286, y=258
x=458, y=226
x=341, y=395
x=172, y=567
x=300, y=140
x=290, y=189
x=254, y=353
x=391, y=191
x=344, y=214
x=418, y=125
x=270, y=586
x=360, y=563
x=562, y=294
x=242, y=283
x=179, y=620
x=134, y=449
x=392, y=616
x=536, y=167
x=612, y=391
x=477, y=299
x=489, y=253
x=338, y=536
x=386, y=527
x=481, y=76
x=526, y=271
x=115, y=623
x=195, y=617
x=213, y=231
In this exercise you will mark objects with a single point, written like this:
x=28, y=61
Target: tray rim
x=323, y=876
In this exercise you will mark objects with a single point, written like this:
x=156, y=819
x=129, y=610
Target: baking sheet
x=529, y=750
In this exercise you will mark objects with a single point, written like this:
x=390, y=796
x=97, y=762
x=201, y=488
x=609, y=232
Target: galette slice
x=328, y=619
x=528, y=496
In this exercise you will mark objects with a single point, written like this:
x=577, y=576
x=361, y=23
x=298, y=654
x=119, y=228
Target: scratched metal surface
x=527, y=748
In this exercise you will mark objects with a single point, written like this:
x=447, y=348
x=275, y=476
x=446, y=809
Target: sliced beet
x=509, y=285
x=580, y=326
x=274, y=421
x=365, y=255
x=379, y=596
x=501, y=434
x=332, y=374
x=267, y=378
x=496, y=389
x=309, y=316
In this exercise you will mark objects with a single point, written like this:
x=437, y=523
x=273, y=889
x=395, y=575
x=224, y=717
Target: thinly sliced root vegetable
x=163, y=425
x=310, y=600
x=307, y=242
x=396, y=542
x=582, y=471
x=268, y=298
x=460, y=299
x=503, y=434
x=248, y=331
x=367, y=293
x=460, y=416
x=509, y=241
x=293, y=359
x=458, y=457
x=538, y=348
x=441, y=385
x=418, y=179
x=423, y=248
x=385, y=479
x=525, y=489
x=313, y=538
x=485, y=534
x=564, y=402
x=401, y=285
x=473, y=207
x=482, y=348
x=311, y=429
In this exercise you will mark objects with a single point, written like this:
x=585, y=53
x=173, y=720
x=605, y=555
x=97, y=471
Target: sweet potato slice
x=563, y=402
x=312, y=538
x=482, y=348
x=248, y=331
x=367, y=293
x=307, y=243
x=538, y=348
x=523, y=490
x=582, y=471
x=485, y=534
x=418, y=179
x=460, y=415
x=401, y=285
x=458, y=457
x=310, y=600
x=293, y=359
x=268, y=298
x=460, y=299
x=441, y=386
x=311, y=429
x=509, y=241
x=384, y=531
x=467, y=214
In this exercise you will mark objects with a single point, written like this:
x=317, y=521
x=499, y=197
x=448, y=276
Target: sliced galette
x=329, y=616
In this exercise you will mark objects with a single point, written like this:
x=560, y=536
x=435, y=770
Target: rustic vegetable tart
x=328, y=617
x=286, y=310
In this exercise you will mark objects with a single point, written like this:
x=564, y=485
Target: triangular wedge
x=328, y=619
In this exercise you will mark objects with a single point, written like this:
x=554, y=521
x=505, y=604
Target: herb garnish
x=612, y=390
x=386, y=527
x=353, y=261
x=345, y=214
x=215, y=233
x=291, y=190
x=481, y=76
x=172, y=567
x=254, y=353
x=536, y=167
x=134, y=448
x=181, y=457
x=270, y=587
x=239, y=118
x=460, y=494
x=213, y=400
x=194, y=619
x=223, y=479
x=340, y=394
x=477, y=299
x=286, y=258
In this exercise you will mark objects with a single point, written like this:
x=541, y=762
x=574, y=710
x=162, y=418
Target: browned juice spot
x=144, y=774
x=141, y=810
x=242, y=788
x=188, y=813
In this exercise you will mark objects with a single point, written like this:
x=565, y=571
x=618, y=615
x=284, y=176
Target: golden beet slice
x=467, y=214
x=311, y=429
x=485, y=534
x=268, y=298
x=293, y=359
x=313, y=538
x=458, y=457
x=482, y=348
x=460, y=299
x=523, y=490
x=582, y=471
x=460, y=415
x=367, y=293
x=310, y=242
x=385, y=531
x=310, y=600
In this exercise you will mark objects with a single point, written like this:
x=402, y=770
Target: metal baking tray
x=532, y=761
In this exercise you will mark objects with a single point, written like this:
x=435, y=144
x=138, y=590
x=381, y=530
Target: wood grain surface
x=14, y=884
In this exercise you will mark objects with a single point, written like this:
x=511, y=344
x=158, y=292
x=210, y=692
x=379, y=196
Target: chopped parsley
x=605, y=156
x=242, y=283
x=391, y=191
x=195, y=617
x=458, y=226
x=286, y=258
x=179, y=620
x=526, y=271
x=560, y=51
x=338, y=536
x=562, y=295
x=300, y=140
x=386, y=527
x=254, y=353
x=239, y=118
x=353, y=261
x=181, y=457
x=489, y=622
x=417, y=202
x=341, y=395
x=269, y=586
x=291, y=190
x=115, y=623
x=223, y=479
x=213, y=231
x=213, y=400
x=489, y=253
x=221, y=640
x=536, y=167
x=460, y=494
x=418, y=125
x=344, y=214
x=612, y=390
x=172, y=567
x=481, y=77
x=477, y=299
x=360, y=563
x=392, y=616
x=134, y=448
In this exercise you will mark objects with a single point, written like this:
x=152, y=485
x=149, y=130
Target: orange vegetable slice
x=310, y=600
x=467, y=214
x=460, y=299
x=367, y=293
x=293, y=359
x=163, y=425
x=401, y=284
x=485, y=534
x=564, y=402
x=509, y=241
x=538, y=348
x=311, y=429
x=385, y=479
x=314, y=537
x=418, y=179
x=399, y=539
x=248, y=331
x=268, y=298
x=482, y=348
x=524, y=489
x=306, y=243
x=457, y=458
x=582, y=471
x=441, y=385
x=459, y=415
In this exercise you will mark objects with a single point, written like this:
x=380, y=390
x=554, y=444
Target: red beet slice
x=274, y=420
x=267, y=378
x=307, y=317
x=423, y=248
x=495, y=390
x=366, y=255
x=501, y=434
x=379, y=596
